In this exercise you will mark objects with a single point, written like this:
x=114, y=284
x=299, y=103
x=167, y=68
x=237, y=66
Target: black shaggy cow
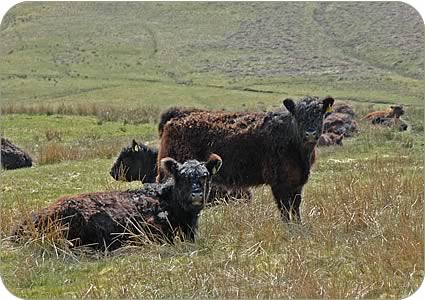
x=13, y=157
x=138, y=162
x=157, y=212
x=135, y=162
x=395, y=122
x=274, y=148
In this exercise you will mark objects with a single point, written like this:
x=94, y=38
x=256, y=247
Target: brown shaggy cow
x=156, y=212
x=340, y=123
x=173, y=113
x=344, y=108
x=217, y=192
x=328, y=139
x=394, y=111
x=274, y=148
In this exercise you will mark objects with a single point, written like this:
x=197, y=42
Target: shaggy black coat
x=135, y=162
x=275, y=148
x=391, y=122
x=106, y=220
x=12, y=157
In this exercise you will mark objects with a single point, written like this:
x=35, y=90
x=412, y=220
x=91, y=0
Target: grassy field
x=80, y=80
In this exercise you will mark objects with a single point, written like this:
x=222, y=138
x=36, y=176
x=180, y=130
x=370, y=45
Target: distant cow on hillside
x=136, y=162
x=329, y=139
x=391, y=122
x=274, y=148
x=395, y=111
x=340, y=123
x=156, y=212
x=12, y=157
x=344, y=108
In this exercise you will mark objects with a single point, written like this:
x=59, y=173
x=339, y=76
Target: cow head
x=396, y=111
x=135, y=162
x=308, y=114
x=191, y=179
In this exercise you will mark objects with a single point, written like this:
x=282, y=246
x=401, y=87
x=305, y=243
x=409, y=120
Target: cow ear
x=169, y=166
x=327, y=104
x=213, y=164
x=134, y=146
x=290, y=105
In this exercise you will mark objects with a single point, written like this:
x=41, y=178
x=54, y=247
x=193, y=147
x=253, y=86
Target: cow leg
x=295, y=206
x=288, y=200
x=189, y=230
x=282, y=196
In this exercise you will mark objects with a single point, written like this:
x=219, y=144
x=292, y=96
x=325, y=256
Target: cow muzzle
x=311, y=136
x=197, y=198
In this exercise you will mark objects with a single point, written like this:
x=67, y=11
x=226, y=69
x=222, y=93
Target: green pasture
x=80, y=80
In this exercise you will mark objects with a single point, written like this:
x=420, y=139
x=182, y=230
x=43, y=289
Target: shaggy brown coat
x=344, y=108
x=340, y=123
x=394, y=111
x=328, y=139
x=217, y=192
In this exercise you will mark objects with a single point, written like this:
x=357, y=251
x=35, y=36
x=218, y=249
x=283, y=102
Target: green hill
x=197, y=53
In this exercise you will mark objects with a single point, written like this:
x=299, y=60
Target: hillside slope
x=52, y=50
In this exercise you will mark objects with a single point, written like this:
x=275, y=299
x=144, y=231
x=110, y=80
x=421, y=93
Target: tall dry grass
x=54, y=152
x=104, y=112
x=361, y=237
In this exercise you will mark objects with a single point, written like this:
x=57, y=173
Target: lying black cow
x=136, y=162
x=105, y=220
x=391, y=122
x=12, y=157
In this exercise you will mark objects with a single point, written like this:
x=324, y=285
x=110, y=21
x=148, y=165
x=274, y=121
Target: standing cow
x=274, y=148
